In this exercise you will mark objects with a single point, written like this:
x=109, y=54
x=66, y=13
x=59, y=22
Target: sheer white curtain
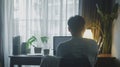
x=43, y=18
x=8, y=19
x=37, y=18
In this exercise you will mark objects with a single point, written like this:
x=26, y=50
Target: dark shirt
x=78, y=47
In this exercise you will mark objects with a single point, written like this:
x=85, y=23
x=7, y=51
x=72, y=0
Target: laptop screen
x=57, y=40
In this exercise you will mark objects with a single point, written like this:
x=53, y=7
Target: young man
x=78, y=46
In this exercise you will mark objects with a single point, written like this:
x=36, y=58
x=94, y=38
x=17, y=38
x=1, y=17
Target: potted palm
x=44, y=40
x=105, y=27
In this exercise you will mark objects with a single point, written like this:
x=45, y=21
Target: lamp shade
x=88, y=34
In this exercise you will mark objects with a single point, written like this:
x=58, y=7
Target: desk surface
x=26, y=56
x=36, y=59
x=99, y=56
x=25, y=60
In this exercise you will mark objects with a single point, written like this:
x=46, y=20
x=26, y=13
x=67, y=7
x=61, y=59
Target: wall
x=116, y=37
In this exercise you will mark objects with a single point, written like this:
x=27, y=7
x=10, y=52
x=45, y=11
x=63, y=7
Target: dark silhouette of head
x=76, y=25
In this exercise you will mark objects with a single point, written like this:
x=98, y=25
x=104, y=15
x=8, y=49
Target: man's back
x=79, y=47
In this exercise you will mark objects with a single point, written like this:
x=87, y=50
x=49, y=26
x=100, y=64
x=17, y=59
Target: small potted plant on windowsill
x=44, y=40
x=37, y=49
x=30, y=42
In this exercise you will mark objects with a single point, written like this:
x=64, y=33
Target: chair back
x=74, y=62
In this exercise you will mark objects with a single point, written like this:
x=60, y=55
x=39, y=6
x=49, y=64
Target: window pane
x=43, y=17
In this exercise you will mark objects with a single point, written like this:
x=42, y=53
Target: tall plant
x=106, y=27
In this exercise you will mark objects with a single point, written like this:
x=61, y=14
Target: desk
x=25, y=60
x=35, y=60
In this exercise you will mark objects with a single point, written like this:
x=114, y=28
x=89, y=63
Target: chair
x=74, y=62
x=50, y=61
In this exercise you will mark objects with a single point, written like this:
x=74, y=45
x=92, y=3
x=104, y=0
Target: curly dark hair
x=76, y=24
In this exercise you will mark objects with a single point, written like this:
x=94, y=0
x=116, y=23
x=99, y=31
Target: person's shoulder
x=63, y=44
x=92, y=44
x=90, y=41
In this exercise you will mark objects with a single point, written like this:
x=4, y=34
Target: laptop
x=57, y=40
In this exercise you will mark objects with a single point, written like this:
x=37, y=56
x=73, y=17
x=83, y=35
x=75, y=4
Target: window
x=43, y=18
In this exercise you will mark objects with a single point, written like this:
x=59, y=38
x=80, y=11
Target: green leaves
x=30, y=41
x=107, y=16
x=105, y=27
x=99, y=11
x=44, y=39
x=115, y=10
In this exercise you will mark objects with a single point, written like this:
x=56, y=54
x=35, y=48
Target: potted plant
x=29, y=43
x=44, y=40
x=105, y=27
x=37, y=49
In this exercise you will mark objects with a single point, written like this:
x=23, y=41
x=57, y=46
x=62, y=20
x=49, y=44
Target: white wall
x=116, y=38
x=118, y=1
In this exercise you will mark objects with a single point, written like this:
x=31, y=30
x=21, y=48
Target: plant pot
x=37, y=49
x=28, y=50
x=23, y=48
x=46, y=51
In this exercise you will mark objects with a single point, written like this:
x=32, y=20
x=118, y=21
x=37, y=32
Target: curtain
x=92, y=17
x=42, y=18
x=94, y=20
x=26, y=18
x=7, y=30
x=1, y=33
